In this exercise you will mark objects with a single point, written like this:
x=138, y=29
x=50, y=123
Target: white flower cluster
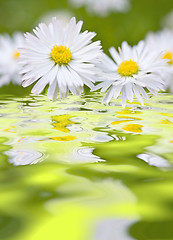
x=102, y=7
x=66, y=59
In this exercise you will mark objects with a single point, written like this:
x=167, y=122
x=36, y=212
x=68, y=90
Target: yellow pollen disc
x=169, y=56
x=128, y=68
x=16, y=54
x=61, y=55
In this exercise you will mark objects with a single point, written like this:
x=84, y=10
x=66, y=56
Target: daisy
x=9, y=55
x=102, y=7
x=131, y=71
x=63, y=15
x=167, y=21
x=60, y=57
x=163, y=41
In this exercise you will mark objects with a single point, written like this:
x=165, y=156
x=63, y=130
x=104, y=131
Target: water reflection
x=114, y=229
x=85, y=164
x=154, y=160
x=24, y=157
x=84, y=155
x=41, y=122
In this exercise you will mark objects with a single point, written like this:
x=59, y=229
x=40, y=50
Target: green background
x=144, y=16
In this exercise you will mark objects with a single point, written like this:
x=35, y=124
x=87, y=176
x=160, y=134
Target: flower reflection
x=84, y=155
x=66, y=138
x=135, y=128
x=115, y=228
x=154, y=160
x=24, y=157
x=61, y=122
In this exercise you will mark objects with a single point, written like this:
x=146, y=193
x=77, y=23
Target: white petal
x=137, y=94
x=109, y=95
x=123, y=97
x=129, y=92
x=115, y=55
x=51, y=89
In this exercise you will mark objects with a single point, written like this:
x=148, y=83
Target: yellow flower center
x=169, y=56
x=128, y=68
x=16, y=54
x=61, y=55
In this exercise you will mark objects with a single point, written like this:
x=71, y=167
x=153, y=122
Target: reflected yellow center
x=64, y=139
x=128, y=68
x=16, y=54
x=61, y=122
x=136, y=128
x=169, y=56
x=61, y=55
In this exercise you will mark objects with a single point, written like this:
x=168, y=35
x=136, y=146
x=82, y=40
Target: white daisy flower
x=102, y=7
x=167, y=21
x=131, y=71
x=60, y=57
x=63, y=15
x=9, y=54
x=163, y=41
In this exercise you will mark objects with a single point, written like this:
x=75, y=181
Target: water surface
x=76, y=169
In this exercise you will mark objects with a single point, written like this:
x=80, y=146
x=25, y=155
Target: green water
x=78, y=170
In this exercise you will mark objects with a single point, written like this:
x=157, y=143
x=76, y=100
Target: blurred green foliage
x=144, y=16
